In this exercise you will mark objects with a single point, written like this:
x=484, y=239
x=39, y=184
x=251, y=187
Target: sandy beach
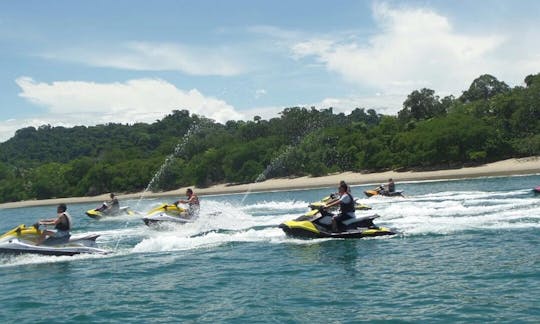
x=522, y=166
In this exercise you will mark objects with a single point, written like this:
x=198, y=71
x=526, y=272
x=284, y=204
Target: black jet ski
x=102, y=211
x=325, y=200
x=380, y=191
x=167, y=213
x=317, y=223
x=22, y=239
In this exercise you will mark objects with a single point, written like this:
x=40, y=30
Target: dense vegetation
x=489, y=121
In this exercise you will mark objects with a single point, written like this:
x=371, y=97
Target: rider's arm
x=331, y=204
x=49, y=221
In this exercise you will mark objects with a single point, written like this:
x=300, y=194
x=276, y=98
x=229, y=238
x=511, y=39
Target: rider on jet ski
x=346, y=206
x=110, y=207
x=62, y=224
x=193, y=203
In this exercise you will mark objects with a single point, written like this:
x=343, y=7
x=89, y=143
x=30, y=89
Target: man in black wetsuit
x=62, y=224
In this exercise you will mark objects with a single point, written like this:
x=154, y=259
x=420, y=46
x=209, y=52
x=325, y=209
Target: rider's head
x=189, y=192
x=61, y=208
x=343, y=187
x=111, y=195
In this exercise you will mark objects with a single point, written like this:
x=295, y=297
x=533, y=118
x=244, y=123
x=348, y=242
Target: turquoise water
x=468, y=251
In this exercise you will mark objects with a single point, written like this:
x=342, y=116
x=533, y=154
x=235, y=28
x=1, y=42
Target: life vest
x=65, y=222
x=349, y=207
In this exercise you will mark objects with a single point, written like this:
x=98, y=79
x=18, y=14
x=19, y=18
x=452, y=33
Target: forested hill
x=488, y=122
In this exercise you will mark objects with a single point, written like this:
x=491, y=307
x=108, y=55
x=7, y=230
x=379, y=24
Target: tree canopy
x=488, y=122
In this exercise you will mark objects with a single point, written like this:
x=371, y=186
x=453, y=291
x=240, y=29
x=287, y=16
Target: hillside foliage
x=490, y=121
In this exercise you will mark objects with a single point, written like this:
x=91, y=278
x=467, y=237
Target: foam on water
x=220, y=223
x=449, y=212
x=440, y=213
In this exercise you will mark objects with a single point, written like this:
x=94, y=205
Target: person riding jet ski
x=346, y=206
x=110, y=207
x=173, y=212
x=192, y=202
x=62, y=224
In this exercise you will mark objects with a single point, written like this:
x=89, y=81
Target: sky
x=88, y=62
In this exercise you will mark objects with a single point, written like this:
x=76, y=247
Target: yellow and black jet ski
x=22, y=239
x=167, y=213
x=380, y=191
x=317, y=223
x=102, y=211
x=322, y=202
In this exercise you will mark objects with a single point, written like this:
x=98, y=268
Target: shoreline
x=515, y=166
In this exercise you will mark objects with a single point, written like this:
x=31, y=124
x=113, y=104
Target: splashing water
x=179, y=148
x=274, y=164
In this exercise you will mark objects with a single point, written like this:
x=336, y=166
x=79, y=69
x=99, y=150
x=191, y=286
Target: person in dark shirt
x=391, y=186
x=346, y=206
x=113, y=206
x=62, y=224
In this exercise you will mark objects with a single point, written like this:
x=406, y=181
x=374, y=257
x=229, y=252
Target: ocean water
x=467, y=251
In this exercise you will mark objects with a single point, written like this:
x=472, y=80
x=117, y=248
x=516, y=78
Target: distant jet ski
x=536, y=190
x=322, y=202
x=317, y=223
x=380, y=191
x=101, y=211
x=22, y=240
x=167, y=213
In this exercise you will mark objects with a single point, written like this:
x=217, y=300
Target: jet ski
x=22, y=240
x=167, y=213
x=102, y=211
x=380, y=191
x=322, y=202
x=536, y=190
x=317, y=223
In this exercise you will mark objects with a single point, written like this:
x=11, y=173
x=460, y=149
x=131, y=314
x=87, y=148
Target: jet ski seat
x=367, y=219
x=56, y=240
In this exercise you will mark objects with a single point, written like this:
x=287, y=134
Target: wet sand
x=530, y=165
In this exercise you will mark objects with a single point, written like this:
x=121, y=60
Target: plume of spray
x=178, y=149
x=279, y=160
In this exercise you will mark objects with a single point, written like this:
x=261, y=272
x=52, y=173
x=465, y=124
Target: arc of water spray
x=278, y=161
x=178, y=149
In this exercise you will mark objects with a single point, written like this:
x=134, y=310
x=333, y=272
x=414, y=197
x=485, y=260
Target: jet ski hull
x=371, y=193
x=17, y=247
x=318, y=224
x=97, y=214
x=22, y=240
x=293, y=229
x=163, y=218
x=167, y=214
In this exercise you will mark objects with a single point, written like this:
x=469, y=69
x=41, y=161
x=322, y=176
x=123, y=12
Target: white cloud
x=70, y=103
x=413, y=48
x=382, y=104
x=146, y=56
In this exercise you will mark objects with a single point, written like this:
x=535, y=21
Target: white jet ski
x=167, y=213
x=22, y=240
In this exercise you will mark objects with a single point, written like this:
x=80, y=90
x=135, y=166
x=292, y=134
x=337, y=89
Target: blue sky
x=91, y=62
